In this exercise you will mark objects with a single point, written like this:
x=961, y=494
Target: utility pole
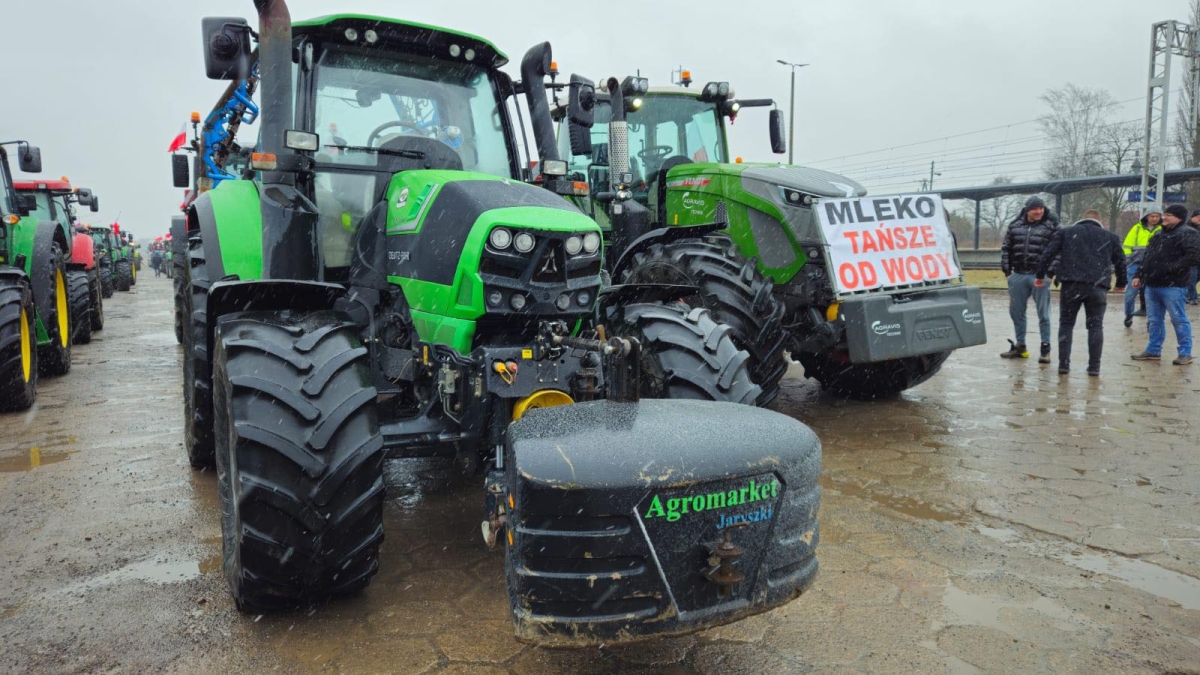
x=792, y=110
x=931, y=175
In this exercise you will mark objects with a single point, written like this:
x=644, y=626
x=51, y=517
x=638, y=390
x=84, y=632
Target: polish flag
x=180, y=139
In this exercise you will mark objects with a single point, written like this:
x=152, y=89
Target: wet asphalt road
x=997, y=518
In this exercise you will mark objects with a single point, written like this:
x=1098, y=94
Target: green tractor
x=106, y=250
x=749, y=237
x=125, y=263
x=390, y=286
x=35, y=319
x=55, y=200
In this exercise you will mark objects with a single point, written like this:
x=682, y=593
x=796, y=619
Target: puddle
x=963, y=608
x=155, y=570
x=909, y=507
x=1142, y=575
x=35, y=458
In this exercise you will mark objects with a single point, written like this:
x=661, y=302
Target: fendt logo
x=933, y=333
x=888, y=329
x=972, y=317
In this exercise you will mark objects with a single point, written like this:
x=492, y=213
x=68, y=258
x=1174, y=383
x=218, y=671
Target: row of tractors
x=385, y=273
x=55, y=273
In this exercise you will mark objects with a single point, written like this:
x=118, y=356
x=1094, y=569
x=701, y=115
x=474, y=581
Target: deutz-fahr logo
x=674, y=508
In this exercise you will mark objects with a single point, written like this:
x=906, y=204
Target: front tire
x=54, y=358
x=124, y=274
x=299, y=458
x=18, y=348
x=197, y=371
x=870, y=381
x=106, y=277
x=80, y=299
x=96, y=291
x=732, y=288
x=686, y=354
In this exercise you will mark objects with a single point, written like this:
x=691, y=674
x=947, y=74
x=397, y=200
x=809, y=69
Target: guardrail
x=979, y=259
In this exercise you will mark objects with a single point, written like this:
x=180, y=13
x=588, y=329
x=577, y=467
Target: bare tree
x=1187, y=123
x=999, y=212
x=1074, y=127
x=1119, y=145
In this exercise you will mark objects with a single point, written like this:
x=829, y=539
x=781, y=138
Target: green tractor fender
x=229, y=220
x=662, y=235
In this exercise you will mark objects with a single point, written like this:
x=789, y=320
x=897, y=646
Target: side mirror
x=29, y=158
x=25, y=203
x=226, y=47
x=181, y=172
x=778, y=136
x=581, y=104
x=83, y=196
x=94, y=205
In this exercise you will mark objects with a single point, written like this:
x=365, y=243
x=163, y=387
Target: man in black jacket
x=1023, y=250
x=1164, y=274
x=1088, y=254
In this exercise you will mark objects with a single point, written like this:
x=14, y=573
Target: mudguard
x=83, y=252
x=226, y=297
x=663, y=235
x=230, y=224
x=619, y=512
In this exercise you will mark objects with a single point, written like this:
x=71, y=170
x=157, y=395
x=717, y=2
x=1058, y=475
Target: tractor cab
x=55, y=200
x=383, y=96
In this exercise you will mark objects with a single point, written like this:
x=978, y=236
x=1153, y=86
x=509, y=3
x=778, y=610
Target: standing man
x=1164, y=273
x=1136, y=241
x=1024, y=246
x=1087, y=256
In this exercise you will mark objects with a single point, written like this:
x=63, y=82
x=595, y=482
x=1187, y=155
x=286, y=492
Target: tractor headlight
x=517, y=302
x=574, y=245
x=524, y=242
x=351, y=35
x=495, y=298
x=563, y=302
x=591, y=242
x=500, y=238
x=455, y=50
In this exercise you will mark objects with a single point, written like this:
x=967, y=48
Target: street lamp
x=792, y=109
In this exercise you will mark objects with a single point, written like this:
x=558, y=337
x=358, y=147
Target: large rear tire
x=96, y=292
x=686, y=354
x=80, y=299
x=124, y=274
x=299, y=458
x=732, y=288
x=54, y=358
x=870, y=381
x=178, y=268
x=197, y=371
x=18, y=348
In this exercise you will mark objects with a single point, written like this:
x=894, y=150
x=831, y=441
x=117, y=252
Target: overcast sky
x=103, y=85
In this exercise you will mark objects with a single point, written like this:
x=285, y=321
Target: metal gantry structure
x=1168, y=39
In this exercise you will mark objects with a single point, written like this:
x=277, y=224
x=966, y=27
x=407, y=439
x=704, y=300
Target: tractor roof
x=56, y=186
x=410, y=32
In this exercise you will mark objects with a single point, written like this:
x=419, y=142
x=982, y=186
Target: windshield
x=364, y=98
x=666, y=126
x=42, y=210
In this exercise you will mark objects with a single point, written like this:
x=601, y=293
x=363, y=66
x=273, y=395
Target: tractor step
x=635, y=520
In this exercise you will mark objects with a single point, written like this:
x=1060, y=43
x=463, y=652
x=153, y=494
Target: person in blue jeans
x=1136, y=241
x=1025, y=242
x=1164, y=273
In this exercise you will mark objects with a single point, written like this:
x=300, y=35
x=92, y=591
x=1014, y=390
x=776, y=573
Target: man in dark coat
x=1087, y=256
x=1193, y=298
x=1164, y=274
x=1023, y=250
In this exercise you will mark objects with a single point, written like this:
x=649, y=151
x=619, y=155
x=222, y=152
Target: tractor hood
x=805, y=180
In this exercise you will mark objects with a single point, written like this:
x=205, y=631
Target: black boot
x=1045, y=357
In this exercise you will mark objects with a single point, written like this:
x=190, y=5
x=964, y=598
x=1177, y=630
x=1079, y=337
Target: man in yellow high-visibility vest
x=1135, y=245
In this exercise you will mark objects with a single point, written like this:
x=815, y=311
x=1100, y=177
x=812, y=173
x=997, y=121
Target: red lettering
x=945, y=261
x=901, y=242
x=927, y=237
x=869, y=243
x=913, y=264
x=931, y=266
x=886, y=242
x=894, y=269
x=853, y=237
x=848, y=276
x=912, y=233
x=867, y=271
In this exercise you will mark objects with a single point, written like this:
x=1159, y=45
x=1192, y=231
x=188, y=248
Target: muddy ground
x=997, y=518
